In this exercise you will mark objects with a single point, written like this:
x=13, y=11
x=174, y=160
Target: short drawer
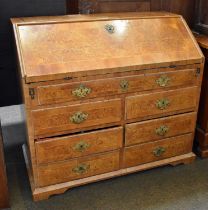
x=179, y=78
x=77, y=168
x=154, y=151
x=152, y=130
x=160, y=103
x=78, y=145
x=48, y=122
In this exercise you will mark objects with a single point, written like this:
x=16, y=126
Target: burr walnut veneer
x=106, y=95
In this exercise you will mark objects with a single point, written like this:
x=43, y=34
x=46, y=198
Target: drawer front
x=79, y=145
x=152, y=130
x=178, y=78
x=50, y=94
x=89, y=89
x=58, y=120
x=141, y=106
x=154, y=151
x=77, y=168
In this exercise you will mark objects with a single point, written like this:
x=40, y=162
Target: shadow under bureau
x=106, y=95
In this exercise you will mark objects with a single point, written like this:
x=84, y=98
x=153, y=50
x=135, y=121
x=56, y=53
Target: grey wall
x=9, y=87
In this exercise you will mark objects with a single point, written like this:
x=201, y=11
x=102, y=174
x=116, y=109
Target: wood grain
x=172, y=43
x=53, y=121
x=98, y=164
x=144, y=153
x=56, y=61
x=142, y=132
x=202, y=121
x=57, y=149
x=57, y=93
x=145, y=105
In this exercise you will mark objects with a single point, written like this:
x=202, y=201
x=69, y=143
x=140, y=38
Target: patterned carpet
x=184, y=187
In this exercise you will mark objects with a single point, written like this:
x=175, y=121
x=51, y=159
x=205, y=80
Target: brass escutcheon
x=162, y=103
x=124, y=84
x=162, y=130
x=159, y=151
x=110, y=28
x=163, y=81
x=78, y=117
x=81, y=168
x=82, y=91
x=81, y=146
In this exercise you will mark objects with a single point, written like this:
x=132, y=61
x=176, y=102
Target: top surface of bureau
x=83, y=45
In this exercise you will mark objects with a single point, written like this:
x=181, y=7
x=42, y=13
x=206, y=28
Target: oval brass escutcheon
x=162, y=130
x=110, y=28
x=159, y=151
x=162, y=103
x=124, y=84
x=78, y=117
x=81, y=168
x=81, y=146
x=163, y=81
x=82, y=91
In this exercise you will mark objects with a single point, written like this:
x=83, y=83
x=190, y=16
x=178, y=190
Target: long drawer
x=160, y=103
x=79, y=145
x=77, y=168
x=154, y=151
x=48, y=122
x=152, y=130
x=57, y=93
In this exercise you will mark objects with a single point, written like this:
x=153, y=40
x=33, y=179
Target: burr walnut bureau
x=106, y=95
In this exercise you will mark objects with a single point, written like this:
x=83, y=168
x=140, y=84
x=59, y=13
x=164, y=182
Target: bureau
x=106, y=95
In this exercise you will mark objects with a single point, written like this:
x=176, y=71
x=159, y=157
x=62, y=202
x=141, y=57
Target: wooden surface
x=142, y=132
x=71, y=147
x=4, y=194
x=57, y=93
x=145, y=105
x=98, y=164
x=144, y=153
x=202, y=130
x=128, y=46
x=111, y=97
x=54, y=121
x=202, y=40
x=183, y=7
x=201, y=18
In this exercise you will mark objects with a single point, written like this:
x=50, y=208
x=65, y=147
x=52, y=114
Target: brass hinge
x=198, y=71
x=32, y=93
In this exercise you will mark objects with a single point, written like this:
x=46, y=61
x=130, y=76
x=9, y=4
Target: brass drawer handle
x=81, y=169
x=163, y=81
x=78, y=117
x=162, y=130
x=159, y=151
x=110, y=28
x=162, y=103
x=81, y=146
x=124, y=84
x=82, y=91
